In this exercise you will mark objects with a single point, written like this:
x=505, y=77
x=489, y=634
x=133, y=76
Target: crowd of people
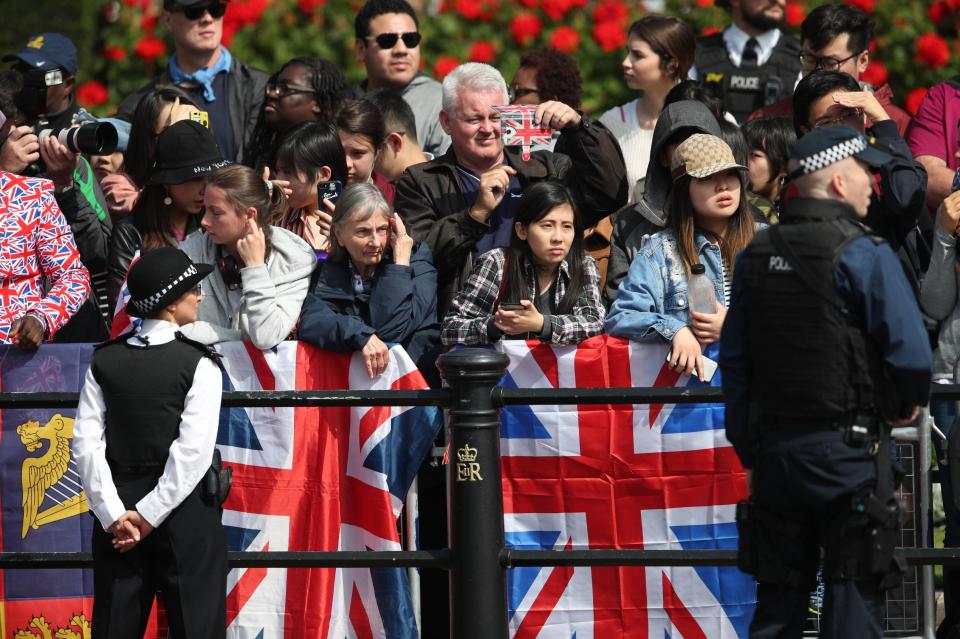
x=397, y=211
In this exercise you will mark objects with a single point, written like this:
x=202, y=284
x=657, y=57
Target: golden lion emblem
x=53, y=475
x=77, y=628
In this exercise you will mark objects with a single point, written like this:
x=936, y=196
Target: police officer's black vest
x=144, y=390
x=746, y=90
x=812, y=363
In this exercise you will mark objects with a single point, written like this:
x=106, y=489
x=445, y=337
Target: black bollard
x=478, y=591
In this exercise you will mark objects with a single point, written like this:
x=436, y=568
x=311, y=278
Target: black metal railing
x=477, y=557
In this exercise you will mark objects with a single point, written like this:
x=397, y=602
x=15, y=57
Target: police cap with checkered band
x=825, y=146
x=160, y=277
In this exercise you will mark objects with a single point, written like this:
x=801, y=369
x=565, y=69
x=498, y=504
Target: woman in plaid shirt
x=543, y=286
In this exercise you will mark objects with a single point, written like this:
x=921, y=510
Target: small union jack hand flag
x=519, y=130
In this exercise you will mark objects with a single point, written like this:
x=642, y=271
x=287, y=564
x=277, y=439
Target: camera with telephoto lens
x=84, y=135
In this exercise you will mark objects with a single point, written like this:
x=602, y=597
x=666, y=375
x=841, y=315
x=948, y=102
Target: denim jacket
x=652, y=300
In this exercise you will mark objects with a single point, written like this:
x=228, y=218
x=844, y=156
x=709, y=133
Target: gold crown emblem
x=36, y=43
x=467, y=454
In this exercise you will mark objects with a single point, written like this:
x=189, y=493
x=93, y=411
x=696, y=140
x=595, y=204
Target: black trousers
x=805, y=488
x=185, y=559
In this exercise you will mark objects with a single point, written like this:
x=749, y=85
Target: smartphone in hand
x=329, y=190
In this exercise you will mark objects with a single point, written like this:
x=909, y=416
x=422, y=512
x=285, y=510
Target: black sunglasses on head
x=389, y=40
x=196, y=11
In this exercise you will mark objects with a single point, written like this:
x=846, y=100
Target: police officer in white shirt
x=751, y=63
x=144, y=438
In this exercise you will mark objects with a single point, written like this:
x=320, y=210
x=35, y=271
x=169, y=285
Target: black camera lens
x=94, y=138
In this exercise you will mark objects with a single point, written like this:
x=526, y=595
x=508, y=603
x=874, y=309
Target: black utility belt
x=860, y=426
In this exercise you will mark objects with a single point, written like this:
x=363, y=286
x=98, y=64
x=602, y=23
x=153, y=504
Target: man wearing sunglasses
x=388, y=46
x=230, y=91
x=837, y=37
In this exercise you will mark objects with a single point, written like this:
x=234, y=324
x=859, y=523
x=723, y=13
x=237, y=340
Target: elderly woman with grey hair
x=378, y=286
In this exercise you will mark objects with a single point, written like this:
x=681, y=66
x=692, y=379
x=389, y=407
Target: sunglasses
x=515, y=92
x=196, y=11
x=282, y=89
x=389, y=40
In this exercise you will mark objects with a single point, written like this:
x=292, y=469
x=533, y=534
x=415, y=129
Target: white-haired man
x=463, y=202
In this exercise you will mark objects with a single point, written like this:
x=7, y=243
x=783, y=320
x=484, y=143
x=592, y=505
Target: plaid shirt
x=472, y=310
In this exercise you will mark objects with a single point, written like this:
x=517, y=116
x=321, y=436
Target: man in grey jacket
x=388, y=46
x=676, y=123
x=228, y=90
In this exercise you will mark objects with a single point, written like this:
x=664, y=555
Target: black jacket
x=431, y=202
x=247, y=91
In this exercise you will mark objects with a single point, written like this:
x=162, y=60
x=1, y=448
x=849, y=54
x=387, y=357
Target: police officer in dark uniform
x=822, y=350
x=751, y=63
x=144, y=438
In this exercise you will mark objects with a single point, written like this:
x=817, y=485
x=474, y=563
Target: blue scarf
x=204, y=77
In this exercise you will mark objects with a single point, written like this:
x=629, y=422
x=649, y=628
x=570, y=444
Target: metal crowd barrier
x=477, y=557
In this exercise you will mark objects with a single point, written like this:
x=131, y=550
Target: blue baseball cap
x=48, y=51
x=828, y=145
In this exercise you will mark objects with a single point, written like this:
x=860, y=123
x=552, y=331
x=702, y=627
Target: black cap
x=160, y=277
x=825, y=146
x=48, y=51
x=186, y=150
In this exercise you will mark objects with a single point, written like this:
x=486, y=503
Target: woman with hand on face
x=543, y=286
x=310, y=155
x=709, y=222
x=378, y=286
x=262, y=272
x=660, y=51
x=169, y=206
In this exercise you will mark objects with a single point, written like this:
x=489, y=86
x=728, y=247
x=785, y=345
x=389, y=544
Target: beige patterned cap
x=701, y=156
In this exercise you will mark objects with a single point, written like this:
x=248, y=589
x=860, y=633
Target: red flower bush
x=309, y=7
x=482, y=51
x=610, y=35
x=932, y=50
x=530, y=4
x=795, y=14
x=147, y=22
x=703, y=4
x=864, y=5
x=710, y=31
x=876, y=74
x=149, y=48
x=93, y=93
x=611, y=11
x=565, y=39
x=444, y=65
x=937, y=11
x=914, y=98
x=114, y=54
x=483, y=10
x=525, y=28
x=556, y=9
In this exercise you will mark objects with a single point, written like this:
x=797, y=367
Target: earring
x=167, y=200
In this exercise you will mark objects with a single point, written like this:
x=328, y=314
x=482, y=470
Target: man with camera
x=39, y=97
x=809, y=410
x=230, y=91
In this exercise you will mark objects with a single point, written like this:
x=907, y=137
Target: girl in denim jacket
x=709, y=223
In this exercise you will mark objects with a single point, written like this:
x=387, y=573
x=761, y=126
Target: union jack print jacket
x=40, y=269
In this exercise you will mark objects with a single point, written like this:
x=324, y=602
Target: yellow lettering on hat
x=36, y=43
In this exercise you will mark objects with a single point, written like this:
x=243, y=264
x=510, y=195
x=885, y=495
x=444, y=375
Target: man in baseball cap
x=53, y=58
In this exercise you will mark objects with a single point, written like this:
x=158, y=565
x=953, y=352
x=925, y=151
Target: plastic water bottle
x=703, y=298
